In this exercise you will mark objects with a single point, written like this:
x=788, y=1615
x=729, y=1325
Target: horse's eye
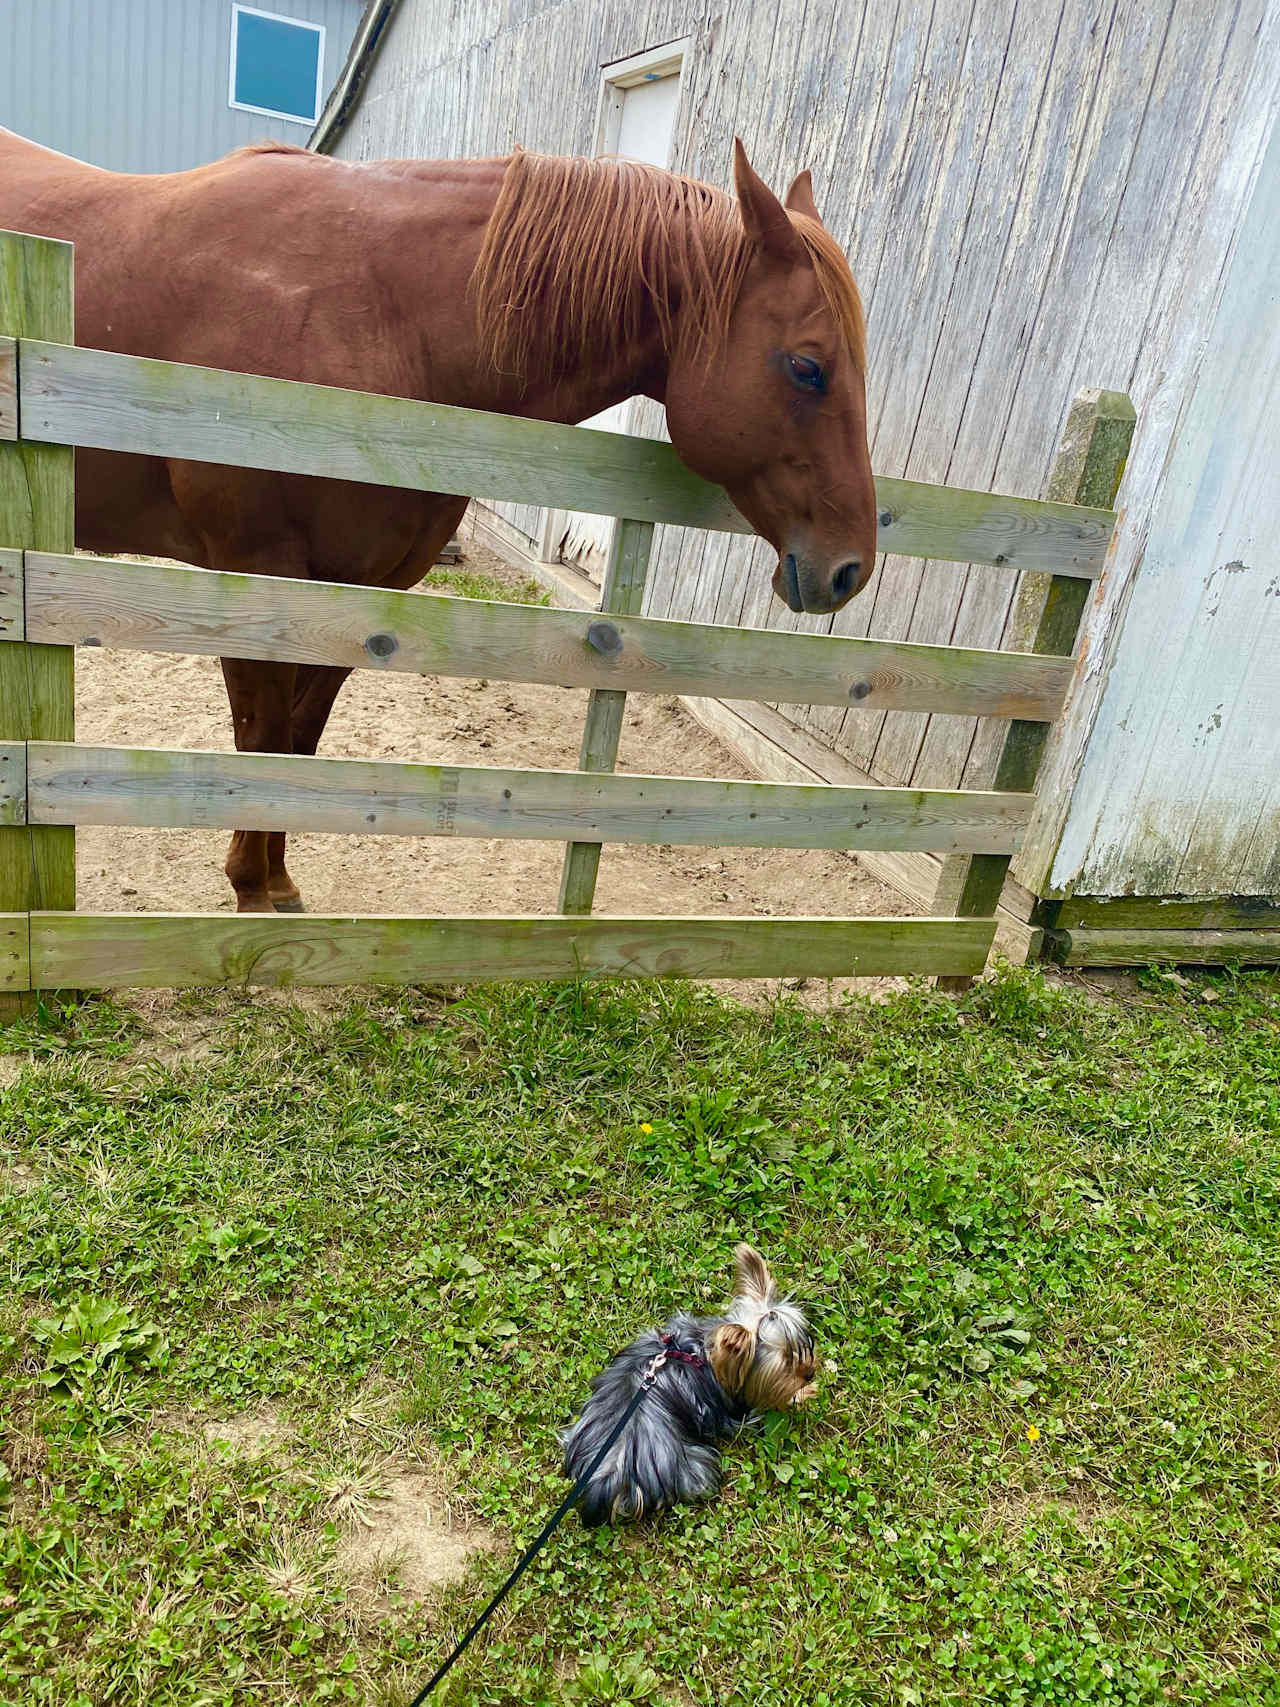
x=806, y=373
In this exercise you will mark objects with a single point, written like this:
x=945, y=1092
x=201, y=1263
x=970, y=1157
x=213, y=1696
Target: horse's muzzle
x=807, y=587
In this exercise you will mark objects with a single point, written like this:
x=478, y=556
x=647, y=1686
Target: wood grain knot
x=381, y=645
x=859, y=690
x=886, y=518
x=604, y=637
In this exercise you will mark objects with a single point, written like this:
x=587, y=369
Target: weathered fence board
x=13, y=782
x=105, y=951
x=13, y=624
x=8, y=388
x=78, y=784
x=1091, y=455
x=129, y=403
x=1157, y=913
x=15, y=957
x=161, y=607
x=37, y=508
x=1084, y=947
x=621, y=595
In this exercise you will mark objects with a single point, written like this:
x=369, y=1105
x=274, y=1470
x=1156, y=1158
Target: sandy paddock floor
x=161, y=701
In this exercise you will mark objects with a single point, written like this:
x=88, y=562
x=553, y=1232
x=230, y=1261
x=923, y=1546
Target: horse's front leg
x=316, y=686
x=261, y=698
x=315, y=690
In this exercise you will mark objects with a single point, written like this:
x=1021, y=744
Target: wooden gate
x=54, y=396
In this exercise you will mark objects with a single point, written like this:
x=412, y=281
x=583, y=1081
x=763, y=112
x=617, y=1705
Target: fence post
x=37, y=683
x=1088, y=468
x=621, y=595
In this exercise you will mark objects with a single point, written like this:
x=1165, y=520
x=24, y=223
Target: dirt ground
x=160, y=701
x=400, y=1532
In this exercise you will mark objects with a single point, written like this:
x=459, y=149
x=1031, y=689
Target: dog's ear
x=751, y=1277
x=731, y=1350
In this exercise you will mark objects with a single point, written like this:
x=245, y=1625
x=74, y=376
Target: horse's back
x=258, y=262
x=164, y=262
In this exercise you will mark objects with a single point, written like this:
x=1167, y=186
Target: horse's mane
x=578, y=253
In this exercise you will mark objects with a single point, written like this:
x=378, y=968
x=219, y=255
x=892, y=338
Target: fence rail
x=98, y=399
x=159, y=607
x=96, y=951
x=69, y=783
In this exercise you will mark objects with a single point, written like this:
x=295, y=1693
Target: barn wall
x=1035, y=198
x=1179, y=793
x=141, y=85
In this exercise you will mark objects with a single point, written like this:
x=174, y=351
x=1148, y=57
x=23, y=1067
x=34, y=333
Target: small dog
x=715, y=1374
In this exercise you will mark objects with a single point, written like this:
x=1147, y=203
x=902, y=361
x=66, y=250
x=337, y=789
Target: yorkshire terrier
x=713, y=1375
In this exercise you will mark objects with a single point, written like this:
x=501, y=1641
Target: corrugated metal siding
x=141, y=85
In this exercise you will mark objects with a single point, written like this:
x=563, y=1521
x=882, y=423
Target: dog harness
x=674, y=1352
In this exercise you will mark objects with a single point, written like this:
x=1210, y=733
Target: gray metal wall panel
x=141, y=85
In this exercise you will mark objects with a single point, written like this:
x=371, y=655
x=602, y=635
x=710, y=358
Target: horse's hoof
x=289, y=904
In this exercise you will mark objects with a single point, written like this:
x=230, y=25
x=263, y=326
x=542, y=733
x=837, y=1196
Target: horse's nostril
x=846, y=578
x=791, y=578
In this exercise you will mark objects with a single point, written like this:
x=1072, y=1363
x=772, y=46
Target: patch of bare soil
x=407, y=1542
x=251, y=1434
x=140, y=700
x=178, y=1034
x=18, y=1176
x=401, y=1534
x=1084, y=1506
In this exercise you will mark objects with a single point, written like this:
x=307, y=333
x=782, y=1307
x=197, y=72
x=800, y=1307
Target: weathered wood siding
x=1035, y=198
x=1178, y=790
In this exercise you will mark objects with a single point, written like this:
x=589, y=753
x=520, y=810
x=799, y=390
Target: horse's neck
x=431, y=263
x=573, y=396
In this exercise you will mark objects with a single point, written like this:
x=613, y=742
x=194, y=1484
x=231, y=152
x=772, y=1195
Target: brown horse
x=529, y=285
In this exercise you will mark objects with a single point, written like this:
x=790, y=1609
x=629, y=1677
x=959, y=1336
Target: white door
x=638, y=117
x=648, y=118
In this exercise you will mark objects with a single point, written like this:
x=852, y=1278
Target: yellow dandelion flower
x=1033, y=1433
x=645, y=1126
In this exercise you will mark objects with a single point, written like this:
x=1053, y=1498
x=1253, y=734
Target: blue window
x=277, y=65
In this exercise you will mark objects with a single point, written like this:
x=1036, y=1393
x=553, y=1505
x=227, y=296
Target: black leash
x=549, y=1527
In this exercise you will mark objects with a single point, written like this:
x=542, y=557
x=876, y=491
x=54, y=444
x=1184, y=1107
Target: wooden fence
x=54, y=396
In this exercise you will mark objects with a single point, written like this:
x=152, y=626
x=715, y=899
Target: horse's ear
x=763, y=215
x=800, y=196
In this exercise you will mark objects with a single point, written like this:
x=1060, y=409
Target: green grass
x=1037, y=1230
x=514, y=589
